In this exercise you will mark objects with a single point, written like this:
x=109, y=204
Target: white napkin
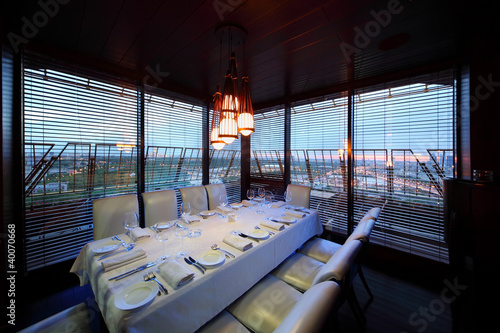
x=174, y=273
x=192, y=218
x=297, y=215
x=223, y=210
x=278, y=204
x=272, y=225
x=238, y=242
x=122, y=259
x=139, y=233
x=248, y=203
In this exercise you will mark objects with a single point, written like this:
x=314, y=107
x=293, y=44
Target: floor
x=400, y=303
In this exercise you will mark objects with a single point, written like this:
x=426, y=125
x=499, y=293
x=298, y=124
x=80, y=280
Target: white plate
x=163, y=225
x=236, y=205
x=207, y=213
x=286, y=219
x=258, y=233
x=299, y=208
x=211, y=258
x=136, y=295
x=106, y=246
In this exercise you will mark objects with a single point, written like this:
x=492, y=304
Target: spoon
x=152, y=276
x=228, y=254
x=127, y=249
x=146, y=279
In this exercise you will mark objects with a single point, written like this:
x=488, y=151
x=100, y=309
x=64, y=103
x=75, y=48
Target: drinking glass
x=223, y=200
x=250, y=196
x=130, y=221
x=262, y=194
x=181, y=231
x=269, y=199
x=162, y=237
x=288, y=197
x=184, y=210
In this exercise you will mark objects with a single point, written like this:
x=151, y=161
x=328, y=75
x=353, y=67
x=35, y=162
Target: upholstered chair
x=196, y=196
x=108, y=214
x=159, y=206
x=214, y=193
x=300, y=195
x=72, y=320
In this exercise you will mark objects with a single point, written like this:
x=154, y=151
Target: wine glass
x=162, y=237
x=288, y=197
x=181, y=231
x=223, y=201
x=185, y=210
x=269, y=199
x=250, y=194
x=130, y=221
x=262, y=193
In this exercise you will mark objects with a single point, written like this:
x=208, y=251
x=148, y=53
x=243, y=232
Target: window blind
x=403, y=148
x=318, y=151
x=80, y=138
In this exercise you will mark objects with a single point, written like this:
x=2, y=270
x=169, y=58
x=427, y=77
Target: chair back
x=300, y=195
x=196, y=196
x=214, y=192
x=108, y=214
x=159, y=206
x=362, y=231
x=373, y=213
x=340, y=264
x=74, y=319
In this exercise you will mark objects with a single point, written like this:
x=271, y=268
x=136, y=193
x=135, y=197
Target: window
x=80, y=139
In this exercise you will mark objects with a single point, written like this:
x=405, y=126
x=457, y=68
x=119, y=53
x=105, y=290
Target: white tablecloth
x=192, y=305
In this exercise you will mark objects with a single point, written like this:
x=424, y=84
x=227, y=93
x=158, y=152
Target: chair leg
x=355, y=307
x=363, y=280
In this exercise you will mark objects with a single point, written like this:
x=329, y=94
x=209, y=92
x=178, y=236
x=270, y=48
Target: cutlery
x=197, y=263
x=270, y=232
x=228, y=254
x=118, y=239
x=190, y=263
x=138, y=269
x=151, y=276
x=246, y=236
x=127, y=249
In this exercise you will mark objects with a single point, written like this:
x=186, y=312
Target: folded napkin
x=139, y=233
x=174, y=273
x=297, y=215
x=278, y=204
x=272, y=225
x=248, y=203
x=238, y=242
x=223, y=210
x=122, y=259
x=192, y=218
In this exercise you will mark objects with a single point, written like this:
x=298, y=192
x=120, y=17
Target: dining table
x=189, y=306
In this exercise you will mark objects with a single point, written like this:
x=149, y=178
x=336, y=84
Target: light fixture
x=215, y=140
x=236, y=110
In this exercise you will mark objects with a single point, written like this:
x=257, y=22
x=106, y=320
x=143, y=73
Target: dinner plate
x=207, y=213
x=236, y=205
x=258, y=233
x=299, y=208
x=211, y=258
x=163, y=225
x=286, y=219
x=106, y=246
x=136, y=295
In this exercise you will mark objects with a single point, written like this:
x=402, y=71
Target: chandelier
x=233, y=111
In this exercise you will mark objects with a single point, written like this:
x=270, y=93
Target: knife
x=246, y=236
x=138, y=269
x=190, y=263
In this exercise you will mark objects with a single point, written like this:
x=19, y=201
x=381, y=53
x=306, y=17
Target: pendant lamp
x=215, y=140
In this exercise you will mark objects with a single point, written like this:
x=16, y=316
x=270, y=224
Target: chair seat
x=298, y=270
x=265, y=305
x=319, y=249
x=224, y=322
x=72, y=320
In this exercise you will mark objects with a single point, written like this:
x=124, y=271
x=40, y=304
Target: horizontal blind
x=318, y=150
x=80, y=137
x=403, y=148
x=268, y=156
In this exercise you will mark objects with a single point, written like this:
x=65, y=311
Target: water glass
x=288, y=197
x=162, y=237
x=181, y=231
x=184, y=210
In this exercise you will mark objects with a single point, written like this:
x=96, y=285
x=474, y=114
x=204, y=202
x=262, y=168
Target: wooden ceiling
x=293, y=47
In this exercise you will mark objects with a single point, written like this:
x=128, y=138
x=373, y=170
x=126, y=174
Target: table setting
x=154, y=276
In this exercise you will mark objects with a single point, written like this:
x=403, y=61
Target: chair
x=214, y=192
x=300, y=195
x=224, y=322
x=75, y=319
x=274, y=306
x=108, y=214
x=196, y=196
x=303, y=272
x=159, y=206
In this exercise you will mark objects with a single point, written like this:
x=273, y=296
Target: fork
x=118, y=239
x=151, y=276
x=270, y=232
